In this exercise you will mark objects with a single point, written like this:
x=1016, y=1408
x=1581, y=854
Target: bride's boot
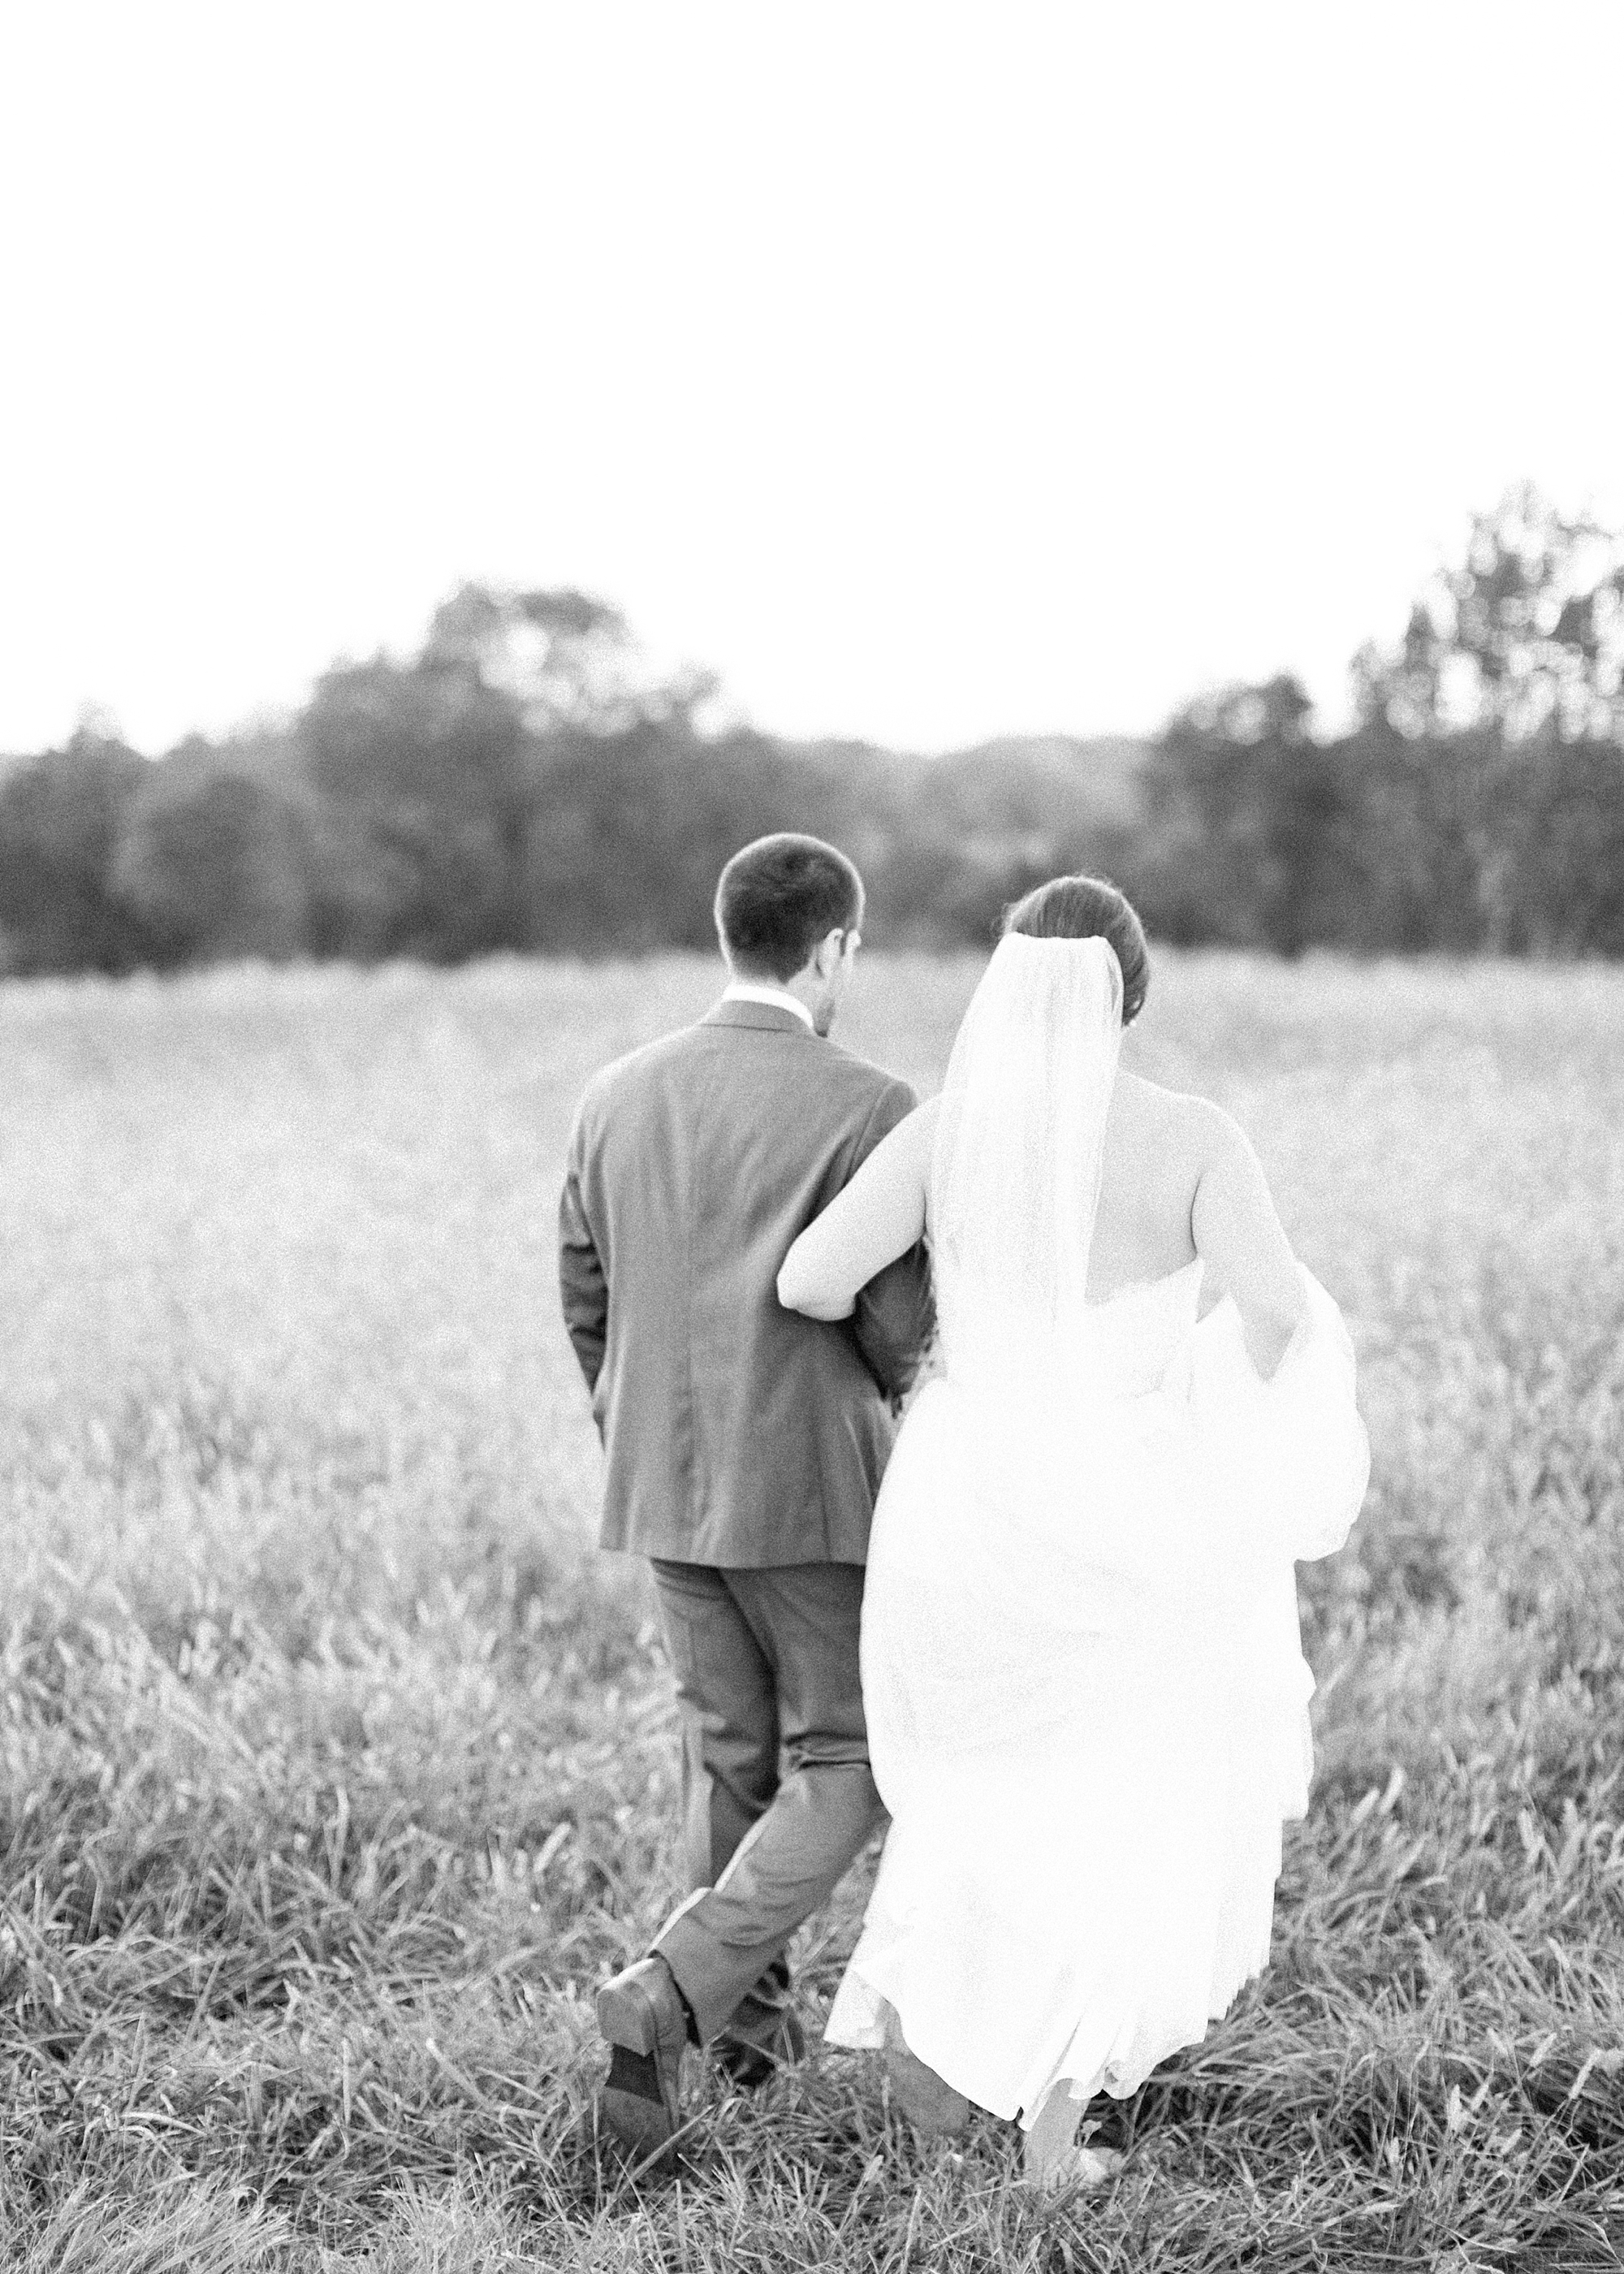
x=927, y=2100
x=1053, y=2158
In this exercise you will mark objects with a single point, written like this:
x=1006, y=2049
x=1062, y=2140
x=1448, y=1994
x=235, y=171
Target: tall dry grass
x=335, y=1767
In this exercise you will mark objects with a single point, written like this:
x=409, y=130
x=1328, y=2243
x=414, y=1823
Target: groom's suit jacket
x=738, y=1434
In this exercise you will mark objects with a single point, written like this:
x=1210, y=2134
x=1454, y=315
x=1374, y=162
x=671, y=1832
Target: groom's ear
x=829, y=950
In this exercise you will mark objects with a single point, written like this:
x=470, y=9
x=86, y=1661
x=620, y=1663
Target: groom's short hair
x=778, y=897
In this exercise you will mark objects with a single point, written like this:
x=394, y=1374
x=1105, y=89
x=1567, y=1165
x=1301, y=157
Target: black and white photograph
x=811, y=1138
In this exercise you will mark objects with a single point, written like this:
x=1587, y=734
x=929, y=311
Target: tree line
x=520, y=784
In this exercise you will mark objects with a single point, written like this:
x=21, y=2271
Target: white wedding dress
x=1086, y=1695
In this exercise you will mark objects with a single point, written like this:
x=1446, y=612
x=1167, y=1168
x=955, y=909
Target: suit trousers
x=777, y=1793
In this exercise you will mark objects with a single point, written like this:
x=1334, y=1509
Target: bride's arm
x=878, y=1216
x=1241, y=1239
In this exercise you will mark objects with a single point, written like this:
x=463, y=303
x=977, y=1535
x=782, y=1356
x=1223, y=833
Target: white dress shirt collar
x=746, y=991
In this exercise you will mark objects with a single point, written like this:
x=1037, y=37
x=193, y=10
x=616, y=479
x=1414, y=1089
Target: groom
x=745, y=1447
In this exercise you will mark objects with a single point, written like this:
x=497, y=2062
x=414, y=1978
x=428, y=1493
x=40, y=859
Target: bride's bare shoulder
x=1196, y=1128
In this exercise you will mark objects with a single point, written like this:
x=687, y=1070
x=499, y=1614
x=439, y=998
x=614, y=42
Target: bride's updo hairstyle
x=1089, y=907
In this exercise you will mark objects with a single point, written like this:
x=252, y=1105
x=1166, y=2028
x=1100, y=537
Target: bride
x=1086, y=1696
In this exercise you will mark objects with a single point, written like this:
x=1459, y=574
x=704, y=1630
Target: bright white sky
x=930, y=371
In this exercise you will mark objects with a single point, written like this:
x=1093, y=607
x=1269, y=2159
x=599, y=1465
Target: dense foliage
x=518, y=784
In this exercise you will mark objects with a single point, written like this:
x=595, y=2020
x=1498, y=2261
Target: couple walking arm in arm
x=1072, y=1671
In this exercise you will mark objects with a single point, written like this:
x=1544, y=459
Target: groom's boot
x=644, y=2018
x=763, y=2033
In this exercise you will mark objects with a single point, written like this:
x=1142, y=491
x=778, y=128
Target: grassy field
x=335, y=1766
